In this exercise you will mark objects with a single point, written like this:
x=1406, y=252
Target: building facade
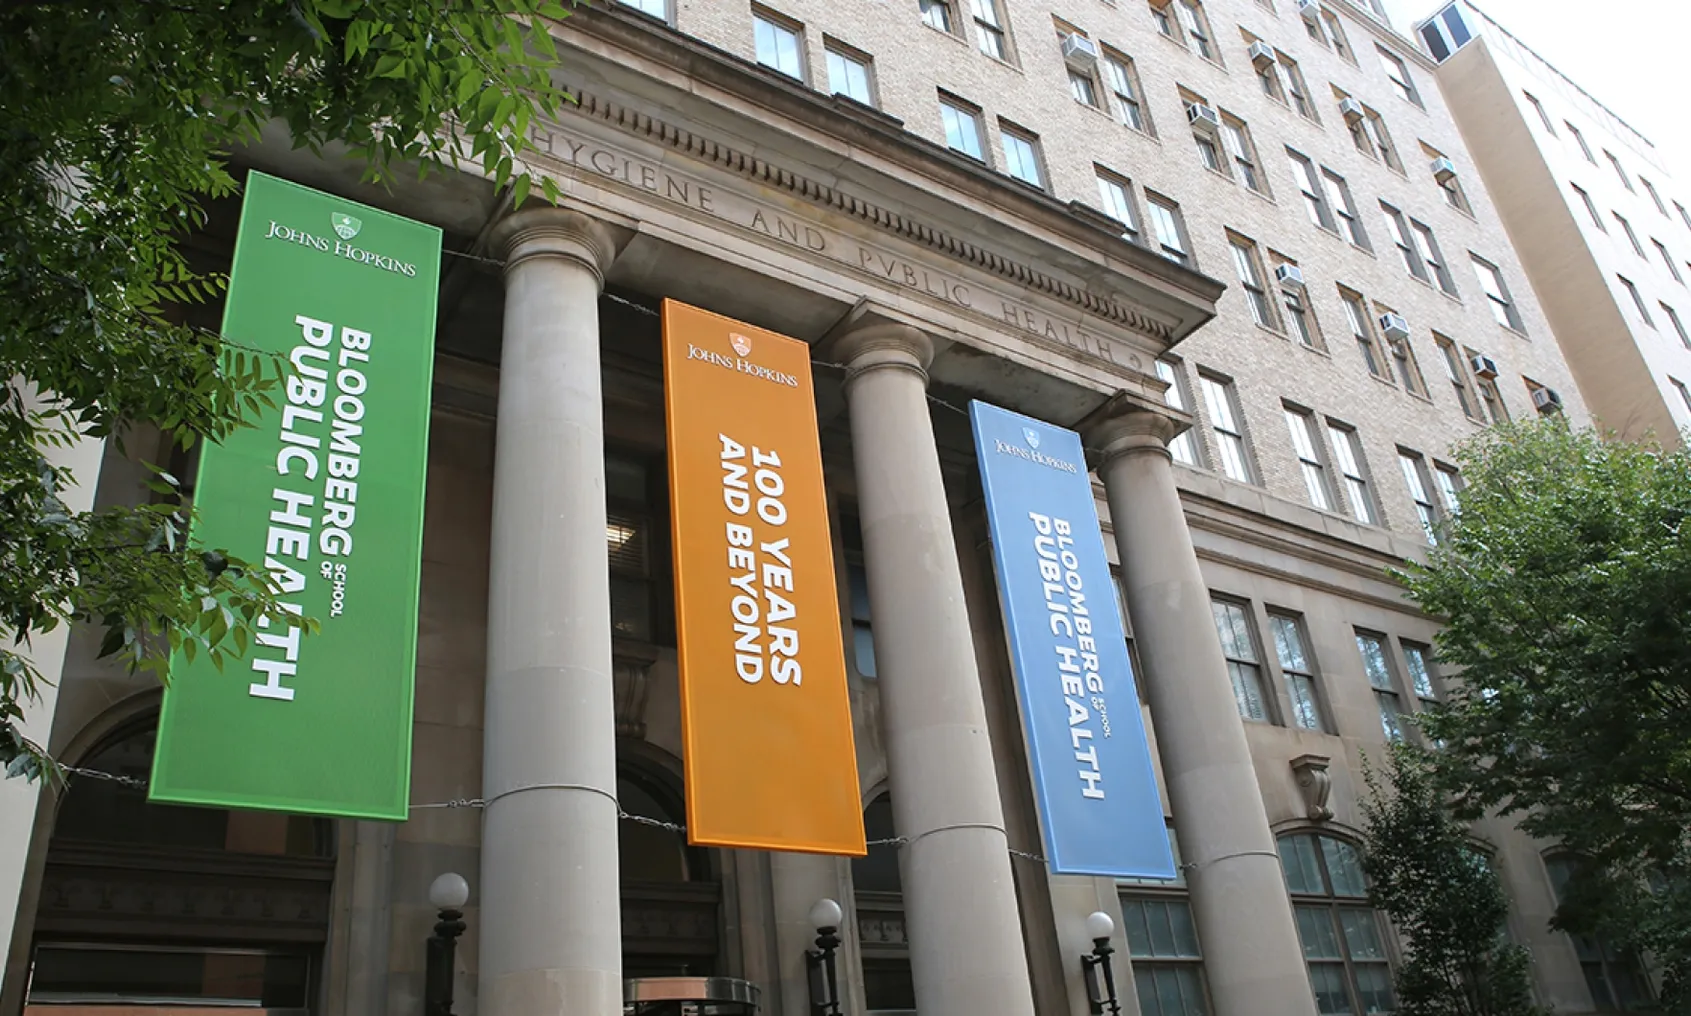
x=1208, y=235
x=1598, y=220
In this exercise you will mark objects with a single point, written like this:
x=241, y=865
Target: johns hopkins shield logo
x=1032, y=436
x=741, y=344
x=346, y=227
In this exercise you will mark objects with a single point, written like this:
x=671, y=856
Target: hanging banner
x=765, y=714
x=1091, y=762
x=327, y=490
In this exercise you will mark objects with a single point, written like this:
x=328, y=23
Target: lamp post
x=824, y=980
x=1096, y=968
x=447, y=893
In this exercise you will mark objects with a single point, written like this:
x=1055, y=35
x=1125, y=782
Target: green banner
x=327, y=490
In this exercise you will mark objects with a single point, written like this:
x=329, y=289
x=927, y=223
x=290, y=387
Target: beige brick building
x=1600, y=223
x=1119, y=217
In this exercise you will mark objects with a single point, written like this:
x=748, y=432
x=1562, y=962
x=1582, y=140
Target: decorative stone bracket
x=631, y=667
x=1315, y=785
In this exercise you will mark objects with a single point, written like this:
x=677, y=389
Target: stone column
x=1252, y=958
x=551, y=936
x=966, y=949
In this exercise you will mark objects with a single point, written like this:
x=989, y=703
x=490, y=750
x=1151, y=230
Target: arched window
x=1343, y=940
x=159, y=905
x=1613, y=975
x=887, y=986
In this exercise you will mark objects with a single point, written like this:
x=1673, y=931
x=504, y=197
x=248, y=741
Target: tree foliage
x=1443, y=894
x=116, y=124
x=1565, y=582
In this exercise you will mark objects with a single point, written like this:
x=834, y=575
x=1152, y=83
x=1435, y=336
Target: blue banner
x=1091, y=762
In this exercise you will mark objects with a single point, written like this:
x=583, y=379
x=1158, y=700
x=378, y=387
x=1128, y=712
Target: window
x=1398, y=72
x=1379, y=674
x=1290, y=647
x=1428, y=248
x=1021, y=154
x=1314, y=200
x=1449, y=483
x=1305, y=444
x=1183, y=448
x=1684, y=392
x=1338, y=193
x=862, y=630
x=1543, y=117
x=1082, y=89
x=962, y=128
x=1584, y=149
x=1159, y=13
x=1168, y=968
x=1268, y=75
x=1684, y=216
x=1650, y=189
x=1356, y=312
x=937, y=14
x=1376, y=131
x=1502, y=306
x=848, y=75
x=989, y=30
x=1236, y=139
x=1632, y=238
x=1192, y=22
x=1300, y=320
x=1399, y=229
x=1490, y=397
x=1590, y=207
x=1451, y=188
x=1408, y=369
x=1170, y=231
x=779, y=46
x=1347, y=455
x=1119, y=76
x=1341, y=935
x=1637, y=300
x=1243, y=666
x=1208, y=153
x=1419, y=659
x=1221, y=399
x=1416, y=479
x=1292, y=79
x=1678, y=325
x=1667, y=259
x=1336, y=35
x=1457, y=372
x=1615, y=978
x=656, y=8
x=628, y=534
x=1249, y=269
x=1626, y=181
x=1115, y=197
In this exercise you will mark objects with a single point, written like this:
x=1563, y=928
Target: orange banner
x=765, y=715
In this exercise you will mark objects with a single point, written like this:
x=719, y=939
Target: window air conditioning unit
x=1289, y=276
x=1545, y=400
x=1351, y=110
x=1080, y=53
x=1262, y=54
x=1310, y=10
x=1484, y=367
x=1394, y=327
x=1203, y=117
x=1444, y=170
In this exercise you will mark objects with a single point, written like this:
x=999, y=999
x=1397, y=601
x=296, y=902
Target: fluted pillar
x=966, y=952
x=551, y=941
x=1252, y=958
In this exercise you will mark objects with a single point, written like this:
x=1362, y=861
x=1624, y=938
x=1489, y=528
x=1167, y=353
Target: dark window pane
x=154, y=976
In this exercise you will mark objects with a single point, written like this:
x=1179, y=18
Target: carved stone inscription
x=814, y=238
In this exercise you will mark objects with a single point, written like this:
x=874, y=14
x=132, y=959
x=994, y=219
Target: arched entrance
x=176, y=911
x=671, y=920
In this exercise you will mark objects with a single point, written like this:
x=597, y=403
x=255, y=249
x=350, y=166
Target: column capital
x=1130, y=423
x=545, y=231
x=881, y=345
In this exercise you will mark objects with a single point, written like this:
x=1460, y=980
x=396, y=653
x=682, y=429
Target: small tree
x=1443, y=894
x=1565, y=586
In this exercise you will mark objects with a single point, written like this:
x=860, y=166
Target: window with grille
x=1244, y=666
x=1343, y=938
x=1221, y=399
x=1347, y=455
x=1378, y=670
x=1291, y=647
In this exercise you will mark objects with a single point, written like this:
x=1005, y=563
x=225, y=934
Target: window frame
x=1579, y=137
x=1119, y=72
x=1240, y=679
x=1248, y=267
x=833, y=49
x=1311, y=456
x=1632, y=238
x=1316, y=206
x=1668, y=261
x=1403, y=83
x=989, y=24
x=1590, y=207
x=1457, y=372
x=1128, y=205
x=1181, y=252
x=946, y=15
x=1352, y=466
x=1034, y=156
x=1620, y=171
x=1389, y=698
x=763, y=17
x=1637, y=300
x=1333, y=905
x=1178, y=395
x=1291, y=675
x=1227, y=426
x=1419, y=483
x=1344, y=209
x=1678, y=324
x=1136, y=893
x=963, y=111
x=1502, y=302
x=1362, y=330
x=1236, y=145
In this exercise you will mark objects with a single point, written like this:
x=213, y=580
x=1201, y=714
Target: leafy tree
x=1565, y=582
x=1443, y=894
x=116, y=123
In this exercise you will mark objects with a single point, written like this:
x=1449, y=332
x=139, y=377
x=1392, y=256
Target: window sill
x=1385, y=381
x=1317, y=350
x=953, y=36
x=1264, y=195
x=1277, y=333
x=1142, y=132
x=1452, y=297
x=1217, y=172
